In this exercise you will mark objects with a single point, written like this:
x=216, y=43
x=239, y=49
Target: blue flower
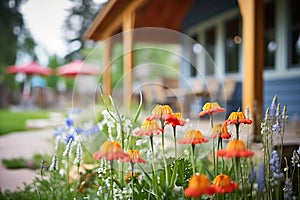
x=273, y=106
x=59, y=131
x=92, y=130
x=288, y=189
x=261, y=178
x=69, y=122
x=276, y=127
x=79, y=131
x=68, y=137
x=252, y=175
x=275, y=167
x=75, y=111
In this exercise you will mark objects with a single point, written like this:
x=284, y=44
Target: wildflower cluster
x=162, y=158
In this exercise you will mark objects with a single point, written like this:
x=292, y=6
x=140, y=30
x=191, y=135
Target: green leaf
x=184, y=172
x=139, y=109
x=174, y=175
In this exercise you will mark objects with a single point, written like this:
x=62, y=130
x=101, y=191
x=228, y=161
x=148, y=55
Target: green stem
x=132, y=179
x=164, y=158
x=211, y=120
x=219, y=146
x=240, y=169
x=111, y=180
x=193, y=159
x=213, y=145
x=68, y=178
x=175, y=141
x=298, y=170
x=153, y=166
x=214, y=157
x=237, y=130
x=235, y=163
x=152, y=149
x=175, y=169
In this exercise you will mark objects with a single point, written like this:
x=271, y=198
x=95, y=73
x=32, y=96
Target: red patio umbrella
x=11, y=69
x=30, y=69
x=77, y=67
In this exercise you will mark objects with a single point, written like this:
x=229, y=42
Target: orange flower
x=211, y=108
x=235, y=148
x=149, y=128
x=198, y=185
x=193, y=137
x=223, y=184
x=175, y=119
x=161, y=112
x=111, y=151
x=135, y=156
x=236, y=118
x=220, y=130
x=129, y=175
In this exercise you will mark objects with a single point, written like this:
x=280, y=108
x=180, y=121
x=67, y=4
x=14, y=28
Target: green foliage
x=84, y=12
x=15, y=38
x=15, y=163
x=15, y=121
x=184, y=172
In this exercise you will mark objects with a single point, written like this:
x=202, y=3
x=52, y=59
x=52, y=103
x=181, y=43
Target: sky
x=45, y=19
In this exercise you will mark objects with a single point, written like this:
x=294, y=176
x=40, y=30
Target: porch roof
x=155, y=13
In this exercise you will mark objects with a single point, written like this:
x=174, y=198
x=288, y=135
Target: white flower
x=78, y=158
x=139, y=142
x=54, y=163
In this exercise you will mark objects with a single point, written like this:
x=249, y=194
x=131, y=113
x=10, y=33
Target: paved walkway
x=25, y=145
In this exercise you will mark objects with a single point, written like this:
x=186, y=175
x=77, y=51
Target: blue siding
x=236, y=101
x=287, y=91
x=204, y=9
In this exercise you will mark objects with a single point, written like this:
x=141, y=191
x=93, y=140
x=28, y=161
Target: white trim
x=281, y=36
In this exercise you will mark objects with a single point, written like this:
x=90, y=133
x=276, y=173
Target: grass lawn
x=15, y=121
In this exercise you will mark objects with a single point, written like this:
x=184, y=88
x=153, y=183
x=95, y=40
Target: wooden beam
x=110, y=19
x=107, y=68
x=253, y=48
x=128, y=26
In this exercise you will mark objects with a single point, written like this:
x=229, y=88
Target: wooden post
x=253, y=48
x=128, y=26
x=107, y=89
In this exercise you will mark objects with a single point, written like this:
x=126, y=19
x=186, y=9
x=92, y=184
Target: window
x=294, y=33
x=193, y=64
x=210, y=42
x=232, y=41
x=270, y=43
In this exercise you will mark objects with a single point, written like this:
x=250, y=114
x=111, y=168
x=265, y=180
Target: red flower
x=235, y=148
x=135, y=156
x=198, y=185
x=175, y=119
x=236, y=118
x=193, y=137
x=149, y=128
x=111, y=151
x=220, y=130
x=211, y=108
x=223, y=184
